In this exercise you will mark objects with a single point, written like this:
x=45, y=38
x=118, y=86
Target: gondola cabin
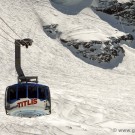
x=27, y=100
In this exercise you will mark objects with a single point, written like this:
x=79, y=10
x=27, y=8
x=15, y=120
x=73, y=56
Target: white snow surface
x=124, y=1
x=86, y=100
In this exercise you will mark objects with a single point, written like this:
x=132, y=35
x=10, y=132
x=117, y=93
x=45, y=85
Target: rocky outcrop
x=125, y=11
x=98, y=50
x=51, y=31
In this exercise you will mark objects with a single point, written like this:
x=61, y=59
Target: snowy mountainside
x=89, y=40
x=86, y=99
x=124, y=11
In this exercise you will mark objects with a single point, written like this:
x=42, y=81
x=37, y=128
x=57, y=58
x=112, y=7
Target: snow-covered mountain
x=89, y=97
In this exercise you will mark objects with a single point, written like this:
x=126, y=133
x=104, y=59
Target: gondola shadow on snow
x=70, y=9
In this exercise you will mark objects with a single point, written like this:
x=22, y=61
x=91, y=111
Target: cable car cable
x=7, y=33
x=9, y=27
x=13, y=30
x=6, y=39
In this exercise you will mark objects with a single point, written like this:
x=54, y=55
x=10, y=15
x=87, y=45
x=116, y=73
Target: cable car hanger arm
x=21, y=77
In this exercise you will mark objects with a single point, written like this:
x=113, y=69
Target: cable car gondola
x=27, y=98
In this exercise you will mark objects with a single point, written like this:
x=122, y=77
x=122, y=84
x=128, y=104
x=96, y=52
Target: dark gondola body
x=27, y=100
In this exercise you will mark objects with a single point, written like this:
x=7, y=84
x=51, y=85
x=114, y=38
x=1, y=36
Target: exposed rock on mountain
x=51, y=31
x=124, y=10
x=98, y=50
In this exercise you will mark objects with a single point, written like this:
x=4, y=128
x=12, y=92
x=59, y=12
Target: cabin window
x=21, y=91
x=41, y=92
x=32, y=92
x=12, y=93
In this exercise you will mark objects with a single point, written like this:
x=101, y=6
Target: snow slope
x=124, y=1
x=86, y=100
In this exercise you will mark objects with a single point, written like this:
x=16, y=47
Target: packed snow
x=86, y=99
x=124, y=1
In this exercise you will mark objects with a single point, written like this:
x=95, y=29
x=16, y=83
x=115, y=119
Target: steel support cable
x=13, y=30
x=7, y=33
x=6, y=39
x=10, y=27
x=9, y=40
